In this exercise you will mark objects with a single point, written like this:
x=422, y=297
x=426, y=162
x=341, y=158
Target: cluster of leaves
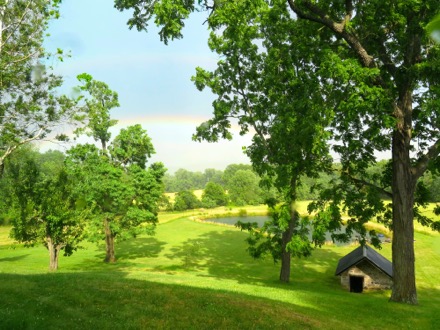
x=30, y=108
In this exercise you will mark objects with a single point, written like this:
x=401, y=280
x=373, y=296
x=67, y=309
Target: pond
x=261, y=219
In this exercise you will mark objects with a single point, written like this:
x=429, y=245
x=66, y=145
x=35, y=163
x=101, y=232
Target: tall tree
x=118, y=189
x=30, y=107
x=379, y=70
x=261, y=82
x=381, y=79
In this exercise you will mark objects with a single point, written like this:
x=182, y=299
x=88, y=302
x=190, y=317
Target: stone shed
x=365, y=268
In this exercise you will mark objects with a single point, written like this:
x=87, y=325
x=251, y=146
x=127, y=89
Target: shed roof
x=365, y=253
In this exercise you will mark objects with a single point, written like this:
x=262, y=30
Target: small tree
x=214, y=195
x=243, y=188
x=186, y=200
x=46, y=206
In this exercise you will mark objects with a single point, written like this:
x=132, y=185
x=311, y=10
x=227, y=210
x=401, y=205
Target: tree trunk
x=285, y=254
x=54, y=252
x=403, y=187
x=109, y=243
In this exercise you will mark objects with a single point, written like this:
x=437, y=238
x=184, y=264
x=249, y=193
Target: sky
x=152, y=80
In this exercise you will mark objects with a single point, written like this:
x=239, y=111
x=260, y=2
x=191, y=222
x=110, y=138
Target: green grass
x=194, y=275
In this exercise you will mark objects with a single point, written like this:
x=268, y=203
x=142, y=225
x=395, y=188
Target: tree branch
x=319, y=16
x=369, y=184
x=423, y=162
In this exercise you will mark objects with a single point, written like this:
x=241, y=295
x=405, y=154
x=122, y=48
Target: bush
x=208, y=203
x=186, y=200
x=242, y=213
x=215, y=193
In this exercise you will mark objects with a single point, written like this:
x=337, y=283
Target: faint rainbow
x=146, y=121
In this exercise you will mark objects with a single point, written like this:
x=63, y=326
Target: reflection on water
x=260, y=219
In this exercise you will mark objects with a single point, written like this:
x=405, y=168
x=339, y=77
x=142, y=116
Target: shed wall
x=374, y=278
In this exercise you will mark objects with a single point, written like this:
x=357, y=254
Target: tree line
x=240, y=185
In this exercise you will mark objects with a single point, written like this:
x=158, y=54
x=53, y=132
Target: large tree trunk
x=54, y=252
x=285, y=254
x=403, y=188
x=109, y=243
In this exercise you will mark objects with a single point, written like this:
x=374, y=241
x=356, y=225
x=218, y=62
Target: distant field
x=172, y=196
x=193, y=275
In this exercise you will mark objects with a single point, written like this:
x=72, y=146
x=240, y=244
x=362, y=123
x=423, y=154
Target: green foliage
x=122, y=194
x=169, y=14
x=268, y=240
x=132, y=146
x=433, y=28
x=185, y=180
x=30, y=107
x=97, y=109
x=243, y=188
x=186, y=200
x=214, y=195
x=242, y=213
x=302, y=73
x=43, y=203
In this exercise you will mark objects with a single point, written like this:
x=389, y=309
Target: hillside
x=198, y=276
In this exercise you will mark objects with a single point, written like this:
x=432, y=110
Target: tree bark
x=285, y=254
x=403, y=187
x=54, y=252
x=109, y=243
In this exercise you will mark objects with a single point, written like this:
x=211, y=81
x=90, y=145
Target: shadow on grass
x=12, y=259
x=126, y=252
x=223, y=255
x=108, y=300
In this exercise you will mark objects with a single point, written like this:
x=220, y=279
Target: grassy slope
x=165, y=281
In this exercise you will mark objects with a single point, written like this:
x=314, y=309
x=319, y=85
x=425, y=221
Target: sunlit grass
x=194, y=275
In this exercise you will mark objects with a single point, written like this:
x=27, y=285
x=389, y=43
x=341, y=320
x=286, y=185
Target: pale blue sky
x=152, y=79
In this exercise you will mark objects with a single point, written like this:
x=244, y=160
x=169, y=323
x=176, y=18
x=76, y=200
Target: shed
x=365, y=268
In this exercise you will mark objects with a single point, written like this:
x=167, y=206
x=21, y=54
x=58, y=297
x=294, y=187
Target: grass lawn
x=194, y=275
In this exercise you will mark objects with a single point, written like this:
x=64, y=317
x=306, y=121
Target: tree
x=378, y=70
x=263, y=87
x=230, y=171
x=214, y=195
x=121, y=193
x=388, y=101
x=213, y=175
x=30, y=108
x=244, y=188
x=186, y=200
x=41, y=195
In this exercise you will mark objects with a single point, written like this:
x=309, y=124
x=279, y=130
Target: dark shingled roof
x=362, y=253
